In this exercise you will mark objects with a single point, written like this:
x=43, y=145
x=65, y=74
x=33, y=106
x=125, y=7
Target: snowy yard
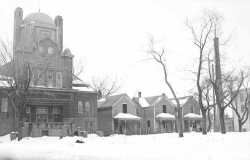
x=194, y=146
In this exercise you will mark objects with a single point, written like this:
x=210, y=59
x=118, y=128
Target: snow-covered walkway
x=194, y=146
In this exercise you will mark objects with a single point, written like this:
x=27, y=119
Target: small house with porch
x=191, y=113
x=118, y=114
x=158, y=113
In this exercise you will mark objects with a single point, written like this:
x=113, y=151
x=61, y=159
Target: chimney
x=139, y=94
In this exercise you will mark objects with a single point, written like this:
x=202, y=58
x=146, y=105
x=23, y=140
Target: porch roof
x=126, y=116
x=165, y=116
x=192, y=116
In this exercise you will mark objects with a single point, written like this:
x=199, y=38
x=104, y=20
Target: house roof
x=150, y=101
x=110, y=100
x=141, y=101
x=182, y=100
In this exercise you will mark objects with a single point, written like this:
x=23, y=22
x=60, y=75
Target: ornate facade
x=54, y=105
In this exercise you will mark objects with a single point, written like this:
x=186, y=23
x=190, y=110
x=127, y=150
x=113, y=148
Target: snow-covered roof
x=192, y=116
x=143, y=102
x=4, y=83
x=165, y=116
x=126, y=116
x=87, y=89
x=182, y=101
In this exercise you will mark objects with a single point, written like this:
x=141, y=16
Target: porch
x=166, y=122
x=126, y=123
x=192, y=122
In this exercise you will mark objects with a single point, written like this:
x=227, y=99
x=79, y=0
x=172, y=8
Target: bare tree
x=241, y=110
x=207, y=99
x=19, y=77
x=160, y=58
x=78, y=68
x=105, y=87
x=201, y=37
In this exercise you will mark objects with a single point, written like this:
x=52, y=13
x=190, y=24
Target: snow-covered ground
x=194, y=146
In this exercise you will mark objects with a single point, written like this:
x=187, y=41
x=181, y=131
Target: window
x=28, y=113
x=192, y=109
x=42, y=114
x=50, y=78
x=59, y=79
x=28, y=110
x=87, y=106
x=50, y=50
x=4, y=105
x=137, y=111
x=56, y=114
x=40, y=78
x=148, y=123
x=164, y=108
x=241, y=97
x=80, y=107
x=242, y=108
x=124, y=108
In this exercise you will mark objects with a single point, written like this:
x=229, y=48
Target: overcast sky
x=109, y=37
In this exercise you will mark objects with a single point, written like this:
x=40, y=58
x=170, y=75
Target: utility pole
x=218, y=84
x=215, y=106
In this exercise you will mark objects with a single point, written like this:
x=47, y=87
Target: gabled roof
x=141, y=101
x=110, y=100
x=182, y=100
x=153, y=100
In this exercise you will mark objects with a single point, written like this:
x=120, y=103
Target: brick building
x=58, y=102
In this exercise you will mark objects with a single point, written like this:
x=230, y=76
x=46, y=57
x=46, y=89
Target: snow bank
x=194, y=146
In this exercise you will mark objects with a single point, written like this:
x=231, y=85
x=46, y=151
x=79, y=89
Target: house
x=118, y=114
x=158, y=113
x=191, y=113
x=58, y=103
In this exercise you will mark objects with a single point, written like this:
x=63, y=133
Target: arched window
x=87, y=106
x=80, y=107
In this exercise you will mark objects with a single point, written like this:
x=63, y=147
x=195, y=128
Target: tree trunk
x=240, y=126
x=209, y=121
x=222, y=121
x=204, y=122
x=179, y=123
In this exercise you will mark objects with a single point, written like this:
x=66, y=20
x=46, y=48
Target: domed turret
x=39, y=18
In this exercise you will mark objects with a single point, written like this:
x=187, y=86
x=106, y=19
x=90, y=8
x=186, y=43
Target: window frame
x=164, y=108
x=4, y=105
x=124, y=108
x=80, y=107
